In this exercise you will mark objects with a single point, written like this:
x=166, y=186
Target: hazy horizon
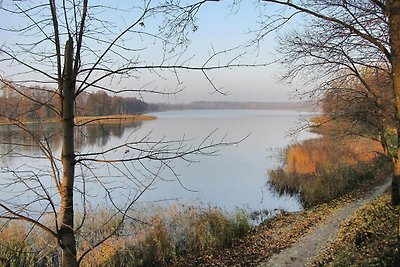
x=211, y=37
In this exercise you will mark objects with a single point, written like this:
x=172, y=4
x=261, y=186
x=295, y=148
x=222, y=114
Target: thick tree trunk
x=394, y=34
x=66, y=232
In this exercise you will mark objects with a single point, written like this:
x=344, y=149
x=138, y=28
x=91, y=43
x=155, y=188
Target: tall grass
x=320, y=170
x=182, y=229
x=168, y=234
x=18, y=248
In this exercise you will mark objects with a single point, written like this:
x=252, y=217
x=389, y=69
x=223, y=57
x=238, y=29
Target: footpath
x=306, y=248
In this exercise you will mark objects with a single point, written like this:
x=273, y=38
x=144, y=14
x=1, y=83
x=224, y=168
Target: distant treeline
x=239, y=105
x=101, y=104
x=40, y=103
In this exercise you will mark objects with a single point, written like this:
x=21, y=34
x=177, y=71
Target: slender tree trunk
x=394, y=34
x=67, y=235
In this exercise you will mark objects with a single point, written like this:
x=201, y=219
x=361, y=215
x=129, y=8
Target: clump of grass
x=155, y=246
x=14, y=250
x=187, y=229
x=369, y=238
x=22, y=246
x=317, y=172
x=215, y=229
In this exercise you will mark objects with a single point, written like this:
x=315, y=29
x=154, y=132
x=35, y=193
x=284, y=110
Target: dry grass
x=320, y=170
x=306, y=157
x=170, y=233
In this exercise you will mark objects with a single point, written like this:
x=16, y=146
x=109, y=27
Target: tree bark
x=66, y=232
x=394, y=34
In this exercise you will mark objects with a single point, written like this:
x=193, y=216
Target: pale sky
x=219, y=29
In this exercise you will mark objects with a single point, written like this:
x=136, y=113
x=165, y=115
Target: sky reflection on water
x=236, y=177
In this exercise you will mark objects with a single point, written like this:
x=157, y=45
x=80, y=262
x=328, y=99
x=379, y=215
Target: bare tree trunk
x=394, y=33
x=67, y=235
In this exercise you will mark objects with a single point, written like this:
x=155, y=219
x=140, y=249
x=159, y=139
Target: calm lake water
x=233, y=177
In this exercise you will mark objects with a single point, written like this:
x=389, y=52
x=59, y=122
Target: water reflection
x=235, y=178
x=31, y=170
x=29, y=139
x=100, y=135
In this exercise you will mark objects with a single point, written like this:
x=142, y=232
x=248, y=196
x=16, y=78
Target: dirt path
x=303, y=252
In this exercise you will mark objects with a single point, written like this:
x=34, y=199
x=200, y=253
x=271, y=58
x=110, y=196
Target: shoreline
x=90, y=120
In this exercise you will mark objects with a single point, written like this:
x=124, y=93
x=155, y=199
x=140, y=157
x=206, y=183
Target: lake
x=232, y=176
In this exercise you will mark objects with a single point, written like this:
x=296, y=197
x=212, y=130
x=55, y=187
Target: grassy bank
x=83, y=120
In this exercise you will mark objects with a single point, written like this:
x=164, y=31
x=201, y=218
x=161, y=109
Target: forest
x=35, y=103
